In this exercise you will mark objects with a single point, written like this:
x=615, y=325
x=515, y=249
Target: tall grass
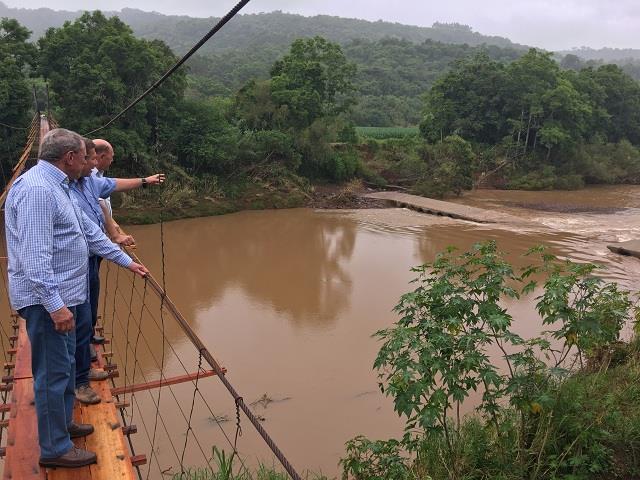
x=226, y=468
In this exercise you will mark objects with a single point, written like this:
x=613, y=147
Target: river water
x=288, y=301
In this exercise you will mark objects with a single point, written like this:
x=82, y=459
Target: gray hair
x=58, y=142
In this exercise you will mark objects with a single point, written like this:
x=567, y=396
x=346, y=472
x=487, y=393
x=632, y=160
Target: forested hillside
x=276, y=29
x=391, y=75
x=395, y=63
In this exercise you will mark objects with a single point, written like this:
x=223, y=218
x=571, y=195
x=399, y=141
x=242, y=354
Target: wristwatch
x=144, y=182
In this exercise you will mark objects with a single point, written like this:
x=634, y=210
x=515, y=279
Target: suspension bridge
x=137, y=316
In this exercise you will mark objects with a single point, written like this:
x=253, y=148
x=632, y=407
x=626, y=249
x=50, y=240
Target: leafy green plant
x=376, y=460
x=439, y=352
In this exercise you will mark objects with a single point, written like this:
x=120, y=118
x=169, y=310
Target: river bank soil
x=256, y=197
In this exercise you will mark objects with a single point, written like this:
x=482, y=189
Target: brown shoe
x=77, y=430
x=87, y=395
x=98, y=375
x=74, y=458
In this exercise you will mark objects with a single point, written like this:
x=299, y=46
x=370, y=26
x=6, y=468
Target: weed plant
x=227, y=468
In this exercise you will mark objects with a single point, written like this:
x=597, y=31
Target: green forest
x=257, y=127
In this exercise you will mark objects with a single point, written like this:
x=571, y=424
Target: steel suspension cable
x=146, y=380
x=162, y=300
x=177, y=357
x=13, y=127
x=223, y=21
x=157, y=406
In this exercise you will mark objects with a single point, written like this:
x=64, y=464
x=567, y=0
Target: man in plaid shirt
x=49, y=240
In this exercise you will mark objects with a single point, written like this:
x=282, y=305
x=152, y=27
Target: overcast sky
x=551, y=24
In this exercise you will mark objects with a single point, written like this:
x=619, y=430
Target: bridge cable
x=113, y=383
x=214, y=417
x=13, y=127
x=193, y=404
x=162, y=301
x=157, y=407
x=223, y=21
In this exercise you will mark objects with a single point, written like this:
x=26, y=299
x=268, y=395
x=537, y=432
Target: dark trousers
x=84, y=332
x=94, y=289
x=53, y=366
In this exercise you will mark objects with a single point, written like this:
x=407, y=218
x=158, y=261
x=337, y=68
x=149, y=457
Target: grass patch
x=383, y=133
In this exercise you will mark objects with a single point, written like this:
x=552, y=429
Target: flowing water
x=288, y=302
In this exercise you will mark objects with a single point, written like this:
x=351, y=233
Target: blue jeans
x=94, y=288
x=84, y=332
x=53, y=366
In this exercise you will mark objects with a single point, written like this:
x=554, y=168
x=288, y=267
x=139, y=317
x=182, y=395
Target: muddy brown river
x=288, y=300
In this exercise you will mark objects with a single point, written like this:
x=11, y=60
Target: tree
x=17, y=57
x=96, y=66
x=468, y=102
x=313, y=80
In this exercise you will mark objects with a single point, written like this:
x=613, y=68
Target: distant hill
x=275, y=29
x=607, y=55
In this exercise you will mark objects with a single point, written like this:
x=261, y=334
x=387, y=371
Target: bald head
x=104, y=153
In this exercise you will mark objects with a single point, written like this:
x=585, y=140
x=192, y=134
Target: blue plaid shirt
x=49, y=240
x=87, y=191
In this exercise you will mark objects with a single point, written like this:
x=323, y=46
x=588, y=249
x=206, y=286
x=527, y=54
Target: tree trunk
x=520, y=129
x=526, y=142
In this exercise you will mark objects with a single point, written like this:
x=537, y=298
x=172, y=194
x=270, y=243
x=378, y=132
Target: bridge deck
x=448, y=209
x=630, y=248
x=22, y=452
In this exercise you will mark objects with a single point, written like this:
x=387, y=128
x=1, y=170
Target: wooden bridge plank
x=83, y=473
x=23, y=355
x=140, y=387
x=23, y=453
x=108, y=442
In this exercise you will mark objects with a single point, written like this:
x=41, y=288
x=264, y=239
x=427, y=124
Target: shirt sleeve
x=104, y=185
x=35, y=230
x=100, y=245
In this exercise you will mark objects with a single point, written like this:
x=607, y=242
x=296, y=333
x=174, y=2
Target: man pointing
x=49, y=240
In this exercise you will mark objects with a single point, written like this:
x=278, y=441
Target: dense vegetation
x=263, y=141
x=564, y=405
x=275, y=118
x=16, y=57
x=396, y=63
x=548, y=127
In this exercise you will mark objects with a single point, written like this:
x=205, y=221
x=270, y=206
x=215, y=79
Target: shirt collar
x=53, y=172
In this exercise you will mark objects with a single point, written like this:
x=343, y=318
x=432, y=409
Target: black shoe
x=74, y=458
x=93, y=353
x=97, y=340
x=77, y=430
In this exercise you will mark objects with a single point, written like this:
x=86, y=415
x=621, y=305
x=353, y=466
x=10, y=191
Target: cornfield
x=382, y=133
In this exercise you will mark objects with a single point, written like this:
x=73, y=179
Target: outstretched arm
x=125, y=184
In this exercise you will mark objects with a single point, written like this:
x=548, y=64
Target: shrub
x=538, y=419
